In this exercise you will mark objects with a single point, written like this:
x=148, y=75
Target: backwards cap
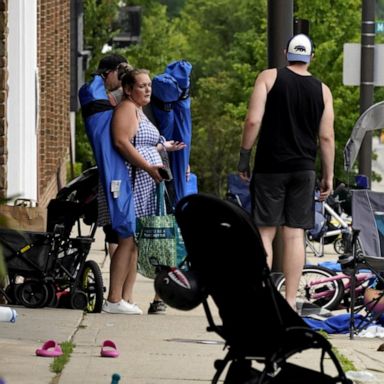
x=110, y=63
x=300, y=48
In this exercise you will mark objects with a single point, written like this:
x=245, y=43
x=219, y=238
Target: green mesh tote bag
x=158, y=237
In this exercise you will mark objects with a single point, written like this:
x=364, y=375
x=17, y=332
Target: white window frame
x=22, y=103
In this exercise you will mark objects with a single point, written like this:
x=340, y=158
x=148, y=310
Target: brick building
x=35, y=123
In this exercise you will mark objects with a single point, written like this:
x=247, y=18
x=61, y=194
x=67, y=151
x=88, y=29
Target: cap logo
x=300, y=48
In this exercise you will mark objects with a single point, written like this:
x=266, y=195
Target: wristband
x=245, y=156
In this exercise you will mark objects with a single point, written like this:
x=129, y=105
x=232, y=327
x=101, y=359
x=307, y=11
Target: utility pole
x=366, y=82
x=280, y=29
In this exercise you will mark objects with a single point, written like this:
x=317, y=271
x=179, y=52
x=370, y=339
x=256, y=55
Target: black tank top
x=289, y=130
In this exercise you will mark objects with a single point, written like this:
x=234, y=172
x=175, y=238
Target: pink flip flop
x=109, y=349
x=49, y=349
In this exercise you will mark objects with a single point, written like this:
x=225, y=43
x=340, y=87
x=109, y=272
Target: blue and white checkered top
x=144, y=189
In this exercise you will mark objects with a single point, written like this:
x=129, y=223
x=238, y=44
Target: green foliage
x=84, y=153
x=161, y=42
x=173, y=6
x=226, y=43
x=98, y=26
x=74, y=170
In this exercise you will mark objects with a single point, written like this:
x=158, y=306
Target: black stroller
x=225, y=251
x=50, y=268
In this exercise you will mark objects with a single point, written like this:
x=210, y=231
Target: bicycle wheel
x=92, y=285
x=327, y=295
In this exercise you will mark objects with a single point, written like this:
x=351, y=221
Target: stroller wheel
x=33, y=294
x=11, y=292
x=78, y=300
x=338, y=246
x=92, y=284
x=52, y=300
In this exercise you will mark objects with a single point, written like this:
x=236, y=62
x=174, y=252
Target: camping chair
x=238, y=191
x=366, y=251
x=225, y=249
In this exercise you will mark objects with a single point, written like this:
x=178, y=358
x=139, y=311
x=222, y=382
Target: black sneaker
x=157, y=307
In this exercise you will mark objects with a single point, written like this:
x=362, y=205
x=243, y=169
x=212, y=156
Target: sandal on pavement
x=49, y=349
x=109, y=349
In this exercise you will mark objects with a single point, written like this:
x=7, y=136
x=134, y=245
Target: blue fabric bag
x=97, y=113
x=238, y=191
x=171, y=106
x=338, y=323
x=192, y=184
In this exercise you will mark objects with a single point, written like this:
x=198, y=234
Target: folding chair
x=366, y=249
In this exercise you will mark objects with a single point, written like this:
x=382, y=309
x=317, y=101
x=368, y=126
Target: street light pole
x=280, y=29
x=367, y=82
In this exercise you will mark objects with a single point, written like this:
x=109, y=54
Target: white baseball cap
x=300, y=48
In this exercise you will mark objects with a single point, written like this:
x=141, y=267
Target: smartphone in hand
x=165, y=173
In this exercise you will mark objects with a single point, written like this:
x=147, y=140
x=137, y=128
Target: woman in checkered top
x=139, y=142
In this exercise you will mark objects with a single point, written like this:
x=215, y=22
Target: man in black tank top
x=290, y=113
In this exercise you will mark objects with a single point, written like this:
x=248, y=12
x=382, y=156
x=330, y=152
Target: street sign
x=379, y=26
x=352, y=64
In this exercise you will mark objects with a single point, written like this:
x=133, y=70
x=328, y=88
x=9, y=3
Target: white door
x=22, y=105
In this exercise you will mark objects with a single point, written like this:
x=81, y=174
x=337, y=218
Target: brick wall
x=53, y=61
x=3, y=96
x=53, y=35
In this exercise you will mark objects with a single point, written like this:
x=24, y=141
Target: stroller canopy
x=370, y=120
x=171, y=107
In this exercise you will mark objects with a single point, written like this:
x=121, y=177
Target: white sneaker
x=121, y=307
x=133, y=308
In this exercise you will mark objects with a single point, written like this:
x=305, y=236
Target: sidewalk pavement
x=171, y=348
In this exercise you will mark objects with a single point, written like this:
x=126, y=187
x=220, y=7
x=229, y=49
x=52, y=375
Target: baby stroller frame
x=52, y=265
x=232, y=266
x=328, y=232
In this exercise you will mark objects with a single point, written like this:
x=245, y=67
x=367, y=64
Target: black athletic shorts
x=111, y=235
x=284, y=199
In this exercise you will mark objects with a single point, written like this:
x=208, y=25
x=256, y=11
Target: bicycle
x=326, y=288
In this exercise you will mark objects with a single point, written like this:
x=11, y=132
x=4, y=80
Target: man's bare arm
x=327, y=144
x=256, y=108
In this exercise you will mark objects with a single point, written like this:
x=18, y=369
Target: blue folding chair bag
x=97, y=113
x=181, y=71
x=172, y=110
x=166, y=88
x=165, y=92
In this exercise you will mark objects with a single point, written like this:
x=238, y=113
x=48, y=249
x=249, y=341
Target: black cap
x=110, y=63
